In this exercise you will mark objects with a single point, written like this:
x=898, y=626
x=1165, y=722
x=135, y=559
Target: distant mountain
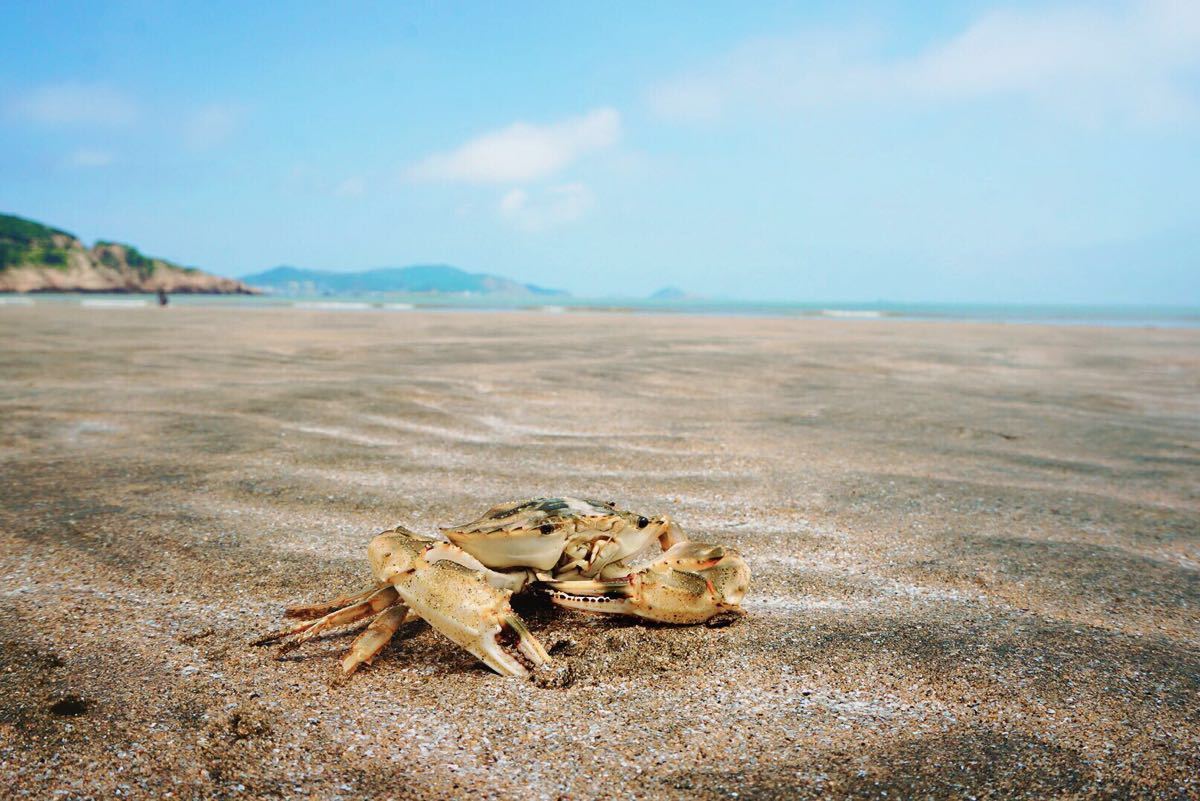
x=431, y=278
x=38, y=258
x=672, y=293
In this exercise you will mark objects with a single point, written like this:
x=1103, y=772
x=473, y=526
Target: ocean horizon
x=1107, y=315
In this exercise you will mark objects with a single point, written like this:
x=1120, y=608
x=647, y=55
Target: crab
x=579, y=553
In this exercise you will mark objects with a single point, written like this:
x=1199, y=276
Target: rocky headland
x=37, y=258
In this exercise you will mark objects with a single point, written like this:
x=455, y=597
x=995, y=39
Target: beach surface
x=975, y=550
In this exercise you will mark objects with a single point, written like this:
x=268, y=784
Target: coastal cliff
x=37, y=258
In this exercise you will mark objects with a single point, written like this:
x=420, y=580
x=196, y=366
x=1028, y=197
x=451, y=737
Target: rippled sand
x=976, y=552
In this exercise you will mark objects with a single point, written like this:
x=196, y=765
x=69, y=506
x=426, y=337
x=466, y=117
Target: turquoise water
x=1059, y=314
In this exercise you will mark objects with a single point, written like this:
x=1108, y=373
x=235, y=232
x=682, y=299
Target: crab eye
x=546, y=528
x=643, y=522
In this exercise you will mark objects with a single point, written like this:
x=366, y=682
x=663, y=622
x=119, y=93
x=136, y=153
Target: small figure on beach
x=579, y=553
x=162, y=297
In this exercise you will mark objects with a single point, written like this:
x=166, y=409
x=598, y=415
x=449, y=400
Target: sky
x=1031, y=152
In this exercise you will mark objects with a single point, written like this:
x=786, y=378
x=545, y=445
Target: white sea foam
x=864, y=314
x=16, y=301
x=331, y=305
x=112, y=303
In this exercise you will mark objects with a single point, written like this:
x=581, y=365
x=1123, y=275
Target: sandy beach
x=975, y=549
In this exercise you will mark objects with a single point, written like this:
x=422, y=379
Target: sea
x=1183, y=316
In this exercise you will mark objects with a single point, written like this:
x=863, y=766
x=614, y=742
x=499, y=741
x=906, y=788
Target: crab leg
x=368, y=644
x=459, y=597
x=377, y=601
x=309, y=611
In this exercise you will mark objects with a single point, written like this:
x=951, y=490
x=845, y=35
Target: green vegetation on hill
x=27, y=242
x=144, y=265
x=38, y=258
x=22, y=230
x=135, y=259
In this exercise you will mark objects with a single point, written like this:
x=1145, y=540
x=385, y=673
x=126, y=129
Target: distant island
x=37, y=258
x=431, y=278
x=673, y=293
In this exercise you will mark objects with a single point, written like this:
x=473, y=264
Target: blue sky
x=1027, y=152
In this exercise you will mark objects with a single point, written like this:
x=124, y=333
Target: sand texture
x=976, y=554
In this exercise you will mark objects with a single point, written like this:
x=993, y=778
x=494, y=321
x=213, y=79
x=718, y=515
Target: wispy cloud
x=523, y=152
x=86, y=158
x=99, y=105
x=547, y=208
x=1130, y=62
x=76, y=104
x=211, y=125
x=355, y=186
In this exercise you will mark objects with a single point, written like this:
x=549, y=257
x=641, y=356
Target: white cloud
x=211, y=125
x=523, y=152
x=546, y=208
x=76, y=104
x=1130, y=62
x=84, y=158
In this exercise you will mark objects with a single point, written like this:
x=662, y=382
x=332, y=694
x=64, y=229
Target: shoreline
x=1133, y=316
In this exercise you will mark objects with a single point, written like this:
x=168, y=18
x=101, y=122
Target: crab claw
x=461, y=605
x=690, y=583
x=442, y=585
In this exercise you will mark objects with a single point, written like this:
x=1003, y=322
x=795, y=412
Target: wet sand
x=976, y=554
